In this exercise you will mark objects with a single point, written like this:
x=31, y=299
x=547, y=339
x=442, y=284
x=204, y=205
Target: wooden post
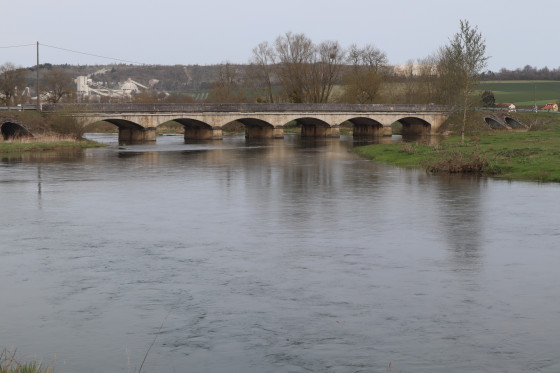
x=38, y=93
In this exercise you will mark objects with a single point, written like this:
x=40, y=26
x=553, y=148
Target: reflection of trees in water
x=301, y=176
x=461, y=218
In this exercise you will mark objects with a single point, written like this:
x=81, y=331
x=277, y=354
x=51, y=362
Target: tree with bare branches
x=261, y=69
x=226, y=87
x=12, y=78
x=57, y=83
x=366, y=75
x=305, y=72
x=326, y=69
x=295, y=56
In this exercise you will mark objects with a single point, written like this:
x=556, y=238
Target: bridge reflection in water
x=137, y=123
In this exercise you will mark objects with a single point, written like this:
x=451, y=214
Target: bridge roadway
x=138, y=122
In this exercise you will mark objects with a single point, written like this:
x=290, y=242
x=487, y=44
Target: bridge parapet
x=244, y=108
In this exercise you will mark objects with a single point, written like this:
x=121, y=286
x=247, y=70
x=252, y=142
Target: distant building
x=86, y=87
x=551, y=106
x=506, y=105
x=82, y=88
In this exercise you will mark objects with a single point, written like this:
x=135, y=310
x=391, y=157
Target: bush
x=458, y=162
x=66, y=126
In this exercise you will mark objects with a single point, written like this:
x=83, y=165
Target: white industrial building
x=86, y=87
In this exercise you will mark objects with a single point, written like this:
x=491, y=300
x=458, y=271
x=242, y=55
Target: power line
x=90, y=54
x=18, y=46
x=73, y=51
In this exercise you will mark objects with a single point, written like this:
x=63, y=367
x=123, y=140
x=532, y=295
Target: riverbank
x=10, y=363
x=44, y=143
x=533, y=155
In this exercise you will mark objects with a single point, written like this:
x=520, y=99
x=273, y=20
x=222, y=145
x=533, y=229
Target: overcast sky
x=205, y=32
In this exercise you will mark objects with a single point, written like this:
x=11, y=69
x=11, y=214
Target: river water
x=273, y=256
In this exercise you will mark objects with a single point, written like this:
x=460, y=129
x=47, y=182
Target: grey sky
x=203, y=32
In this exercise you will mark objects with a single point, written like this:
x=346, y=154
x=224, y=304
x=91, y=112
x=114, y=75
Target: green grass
x=523, y=92
x=44, y=144
x=532, y=155
x=10, y=364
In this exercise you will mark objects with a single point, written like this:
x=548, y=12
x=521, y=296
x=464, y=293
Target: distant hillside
x=176, y=78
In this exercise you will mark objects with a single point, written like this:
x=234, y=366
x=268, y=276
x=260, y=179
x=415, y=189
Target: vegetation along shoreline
x=531, y=155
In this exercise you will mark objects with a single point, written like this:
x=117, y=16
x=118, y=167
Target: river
x=273, y=256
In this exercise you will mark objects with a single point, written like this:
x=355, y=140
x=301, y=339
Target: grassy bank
x=532, y=155
x=44, y=143
x=9, y=363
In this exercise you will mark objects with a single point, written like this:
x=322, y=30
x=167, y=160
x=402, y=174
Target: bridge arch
x=494, y=124
x=258, y=128
x=131, y=132
x=514, y=123
x=13, y=130
x=415, y=126
x=196, y=129
x=366, y=127
x=314, y=127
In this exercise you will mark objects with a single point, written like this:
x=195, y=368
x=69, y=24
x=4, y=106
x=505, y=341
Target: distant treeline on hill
x=526, y=73
x=171, y=78
x=185, y=78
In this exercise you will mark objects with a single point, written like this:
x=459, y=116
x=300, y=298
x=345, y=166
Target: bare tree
x=325, y=71
x=364, y=80
x=57, y=84
x=261, y=69
x=148, y=96
x=460, y=66
x=418, y=81
x=306, y=72
x=12, y=78
x=295, y=57
x=226, y=87
x=427, y=78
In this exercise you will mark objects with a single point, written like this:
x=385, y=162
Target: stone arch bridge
x=138, y=122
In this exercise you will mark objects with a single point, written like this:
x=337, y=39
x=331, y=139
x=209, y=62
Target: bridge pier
x=259, y=132
x=131, y=135
x=203, y=133
x=361, y=130
x=320, y=131
x=278, y=133
x=387, y=131
x=415, y=129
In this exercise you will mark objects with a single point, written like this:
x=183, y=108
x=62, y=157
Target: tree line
x=293, y=68
x=526, y=73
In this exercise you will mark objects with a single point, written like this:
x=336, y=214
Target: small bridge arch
x=504, y=123
x=12, y=129
x=514, y=123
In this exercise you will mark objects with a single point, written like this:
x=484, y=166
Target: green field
x=523, y=92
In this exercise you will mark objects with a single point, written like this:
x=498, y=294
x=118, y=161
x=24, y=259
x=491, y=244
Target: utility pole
x=37, y=86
